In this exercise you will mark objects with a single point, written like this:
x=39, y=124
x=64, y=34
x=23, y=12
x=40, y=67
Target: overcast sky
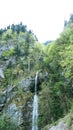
x=44, y=17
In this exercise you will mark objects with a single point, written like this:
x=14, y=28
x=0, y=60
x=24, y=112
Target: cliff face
x=21, y=56
x=15, y=81
x=19, y=61
x=15, y=94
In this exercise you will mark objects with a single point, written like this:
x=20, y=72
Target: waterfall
x=35, y=107
x=28, y=64
x=36, y=83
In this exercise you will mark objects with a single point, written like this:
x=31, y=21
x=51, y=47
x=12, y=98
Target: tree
x=71, y=18
x=1, y=31
x=13, y=28
x=8, y=27
x=23, y=28
x=65, y=23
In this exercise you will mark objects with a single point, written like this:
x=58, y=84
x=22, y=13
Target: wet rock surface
x=60, y=126
x=1, y=73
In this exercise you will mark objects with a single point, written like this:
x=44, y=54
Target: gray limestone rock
x=3, y=99
x=60, y=126
x=26, y=84
x=14, y=112
x=1, y=106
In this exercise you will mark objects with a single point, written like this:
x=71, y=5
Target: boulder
x=14, y=112
x=26, y=84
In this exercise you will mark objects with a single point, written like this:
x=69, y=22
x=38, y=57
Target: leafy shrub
x=8, y=53
x=6, y=123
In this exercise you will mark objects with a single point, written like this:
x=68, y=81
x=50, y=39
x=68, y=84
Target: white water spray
x=28, y=64
x=35, y=107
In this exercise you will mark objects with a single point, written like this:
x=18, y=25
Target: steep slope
x=56, y=96
x=21, y=56
x=19, y=61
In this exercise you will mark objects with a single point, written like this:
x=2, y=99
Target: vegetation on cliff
x=56, y=95
x=21, y=56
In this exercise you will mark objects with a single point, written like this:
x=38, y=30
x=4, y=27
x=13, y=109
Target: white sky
x=44, y=17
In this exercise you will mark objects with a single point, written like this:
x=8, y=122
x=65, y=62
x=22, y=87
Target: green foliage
x=49, y=105
x=7, y=35
x=21, y=50
x=69, y=120
x=7, y=123
x=55, y=96
x=70, y=19
x=58, y=62
x=18, y=28
x=8, y=53
x=69, y=22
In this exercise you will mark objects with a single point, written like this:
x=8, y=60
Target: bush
x=6, y=123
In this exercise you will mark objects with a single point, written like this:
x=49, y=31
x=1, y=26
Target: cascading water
x=35, y=107
x=28, y=64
